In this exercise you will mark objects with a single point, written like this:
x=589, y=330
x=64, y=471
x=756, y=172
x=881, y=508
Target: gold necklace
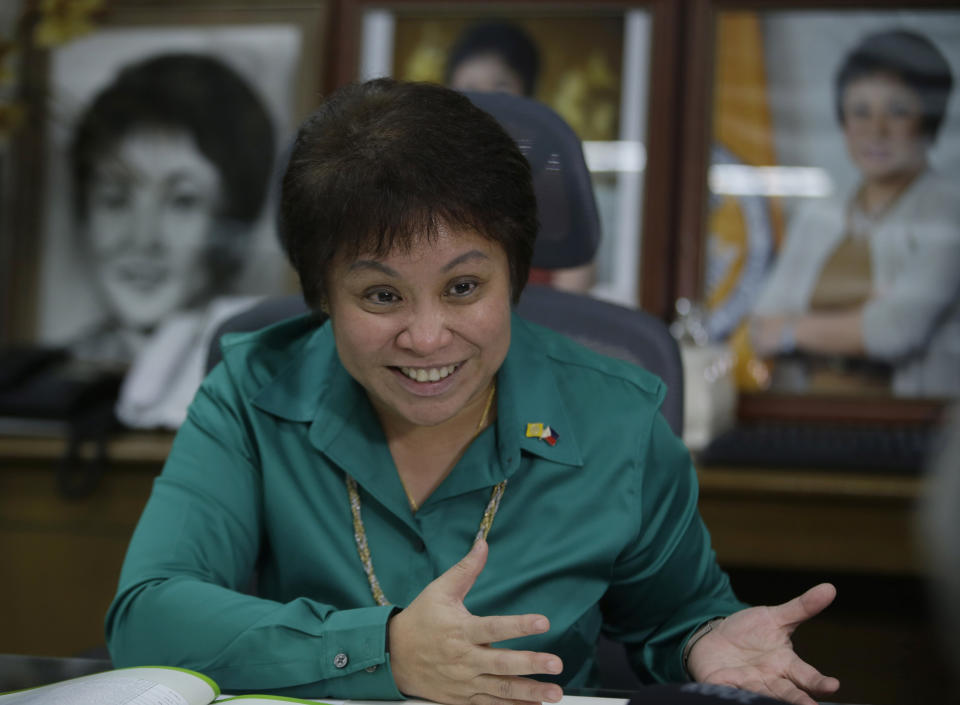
x=480, y=426
x=360, y=533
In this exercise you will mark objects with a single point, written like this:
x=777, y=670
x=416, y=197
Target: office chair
x=569, y=235
x=569, y=221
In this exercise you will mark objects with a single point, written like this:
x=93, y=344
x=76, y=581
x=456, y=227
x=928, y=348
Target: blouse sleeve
x=901, y=319
x=787, y=285
x=667, y=582
x=180, y=599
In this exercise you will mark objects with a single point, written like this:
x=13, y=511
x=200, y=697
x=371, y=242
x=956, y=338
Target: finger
x=489, y=630
x=779, y=688
x=458, y=580
x=486, y=699
x=810, y=679
x=513, y=688
x=807, y=605
x=506, y=662
x=788, y=692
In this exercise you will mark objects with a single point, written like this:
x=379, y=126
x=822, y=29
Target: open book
x=162, y=685
x=150, y=685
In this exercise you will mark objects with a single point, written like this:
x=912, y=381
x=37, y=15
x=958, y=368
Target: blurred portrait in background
x=155, y=215
x=494, y=56
x=170, y=165
x=865, y=295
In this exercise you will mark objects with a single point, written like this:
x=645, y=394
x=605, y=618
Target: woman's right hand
x=766, y=334
x=439, y=651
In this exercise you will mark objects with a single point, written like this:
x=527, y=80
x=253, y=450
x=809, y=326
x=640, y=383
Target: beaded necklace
x=360, y=533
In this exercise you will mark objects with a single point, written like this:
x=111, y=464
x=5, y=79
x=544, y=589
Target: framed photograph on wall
x=600, y=67
x=150, y=169
x=820, y=229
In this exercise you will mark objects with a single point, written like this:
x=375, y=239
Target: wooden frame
x=692, y=204
x=654, y=281
x=24, y=229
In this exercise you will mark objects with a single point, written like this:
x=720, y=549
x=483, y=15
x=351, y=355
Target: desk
x=62, y=557
x=812, y=520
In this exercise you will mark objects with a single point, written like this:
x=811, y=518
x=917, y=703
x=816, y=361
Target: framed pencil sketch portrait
x=153, y=158
x=593, y=64
x=821, y=230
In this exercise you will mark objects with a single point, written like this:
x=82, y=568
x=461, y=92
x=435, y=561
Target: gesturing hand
x=439, y=651
x=751, y=649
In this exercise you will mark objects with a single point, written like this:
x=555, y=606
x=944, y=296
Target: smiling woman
x=163, y=198
x=424, y=334
x=363, y=464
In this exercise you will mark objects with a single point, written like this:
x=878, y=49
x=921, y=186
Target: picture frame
x=280, y=53
x=798, y=43
x=634, y=244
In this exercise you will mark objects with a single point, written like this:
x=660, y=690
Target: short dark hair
x=507, y=41
x=911, y=58
x=198, y=94
x=382, y=163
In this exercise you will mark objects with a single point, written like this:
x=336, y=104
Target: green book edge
x=280, y=698
x=209, y=681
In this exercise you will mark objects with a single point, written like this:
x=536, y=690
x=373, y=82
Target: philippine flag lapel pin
x=543, y=432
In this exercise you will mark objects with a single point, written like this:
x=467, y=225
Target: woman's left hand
x=751, y=649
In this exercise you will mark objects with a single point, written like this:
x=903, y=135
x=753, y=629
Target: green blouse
x=599, y=531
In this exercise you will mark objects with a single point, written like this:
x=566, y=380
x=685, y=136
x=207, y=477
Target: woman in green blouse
x=352, y=464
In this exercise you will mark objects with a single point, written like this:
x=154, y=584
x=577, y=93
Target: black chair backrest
x=616, y=331
x=569, y=222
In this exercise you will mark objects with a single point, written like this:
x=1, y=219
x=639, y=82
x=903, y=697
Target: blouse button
x=341, y=660
x=371, y=669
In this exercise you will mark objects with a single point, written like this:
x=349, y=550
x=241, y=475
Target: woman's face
x=486, y=73
x=152, y=204
x=882, y=123
x=424, y=332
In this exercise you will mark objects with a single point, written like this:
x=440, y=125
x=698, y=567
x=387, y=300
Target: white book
x=163, y=685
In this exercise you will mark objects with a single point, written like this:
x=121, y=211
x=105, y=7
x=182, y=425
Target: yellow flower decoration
x=586, y=97
x=427, y=61
x=63, y=20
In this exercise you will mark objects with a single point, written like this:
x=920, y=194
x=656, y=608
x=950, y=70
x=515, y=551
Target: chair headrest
x=569, y=223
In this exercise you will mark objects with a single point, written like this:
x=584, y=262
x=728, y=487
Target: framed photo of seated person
x=820, y=224
x=599, y=67
x=150, y=172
